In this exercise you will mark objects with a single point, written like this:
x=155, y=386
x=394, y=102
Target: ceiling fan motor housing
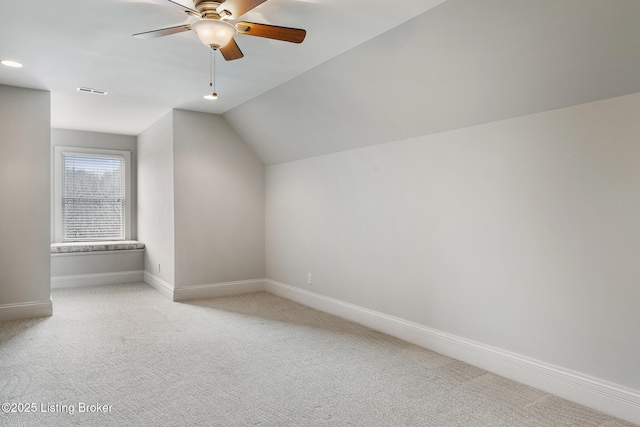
x=207, y=8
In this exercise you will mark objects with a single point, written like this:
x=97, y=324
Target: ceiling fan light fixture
x=212, y=96
x=214, y=33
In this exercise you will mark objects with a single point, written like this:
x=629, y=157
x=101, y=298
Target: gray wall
x=156, y=198
x=219, y=203
x=25, y=130
x=70, y=264
x=523, y=234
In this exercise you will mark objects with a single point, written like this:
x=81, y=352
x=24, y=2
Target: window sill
x=75, y=247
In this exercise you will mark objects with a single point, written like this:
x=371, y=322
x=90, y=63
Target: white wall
x=25, y=128
x=522, y=234
x=156, y=198
x=219, y=203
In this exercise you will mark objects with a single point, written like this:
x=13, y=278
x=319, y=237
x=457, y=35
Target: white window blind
x=93, y=197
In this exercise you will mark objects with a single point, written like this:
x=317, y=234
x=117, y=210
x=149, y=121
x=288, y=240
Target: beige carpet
x=248, y=360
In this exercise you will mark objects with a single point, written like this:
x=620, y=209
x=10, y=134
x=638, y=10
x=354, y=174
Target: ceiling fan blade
x=286, y=34
x=231, y=51
x=162, y=32
x=178, y=6
x=237, y=8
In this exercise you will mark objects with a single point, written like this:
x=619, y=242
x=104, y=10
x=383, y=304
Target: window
x=91, y=194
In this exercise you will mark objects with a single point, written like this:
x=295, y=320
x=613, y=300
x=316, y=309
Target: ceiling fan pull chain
x=212, y=75
x=213, y=53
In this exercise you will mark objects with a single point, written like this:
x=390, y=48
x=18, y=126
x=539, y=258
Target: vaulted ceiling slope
x=462, y=63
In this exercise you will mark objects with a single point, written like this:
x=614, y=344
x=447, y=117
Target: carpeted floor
x=245, y=360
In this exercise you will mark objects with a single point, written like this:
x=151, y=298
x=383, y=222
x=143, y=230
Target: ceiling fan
x=214, y=30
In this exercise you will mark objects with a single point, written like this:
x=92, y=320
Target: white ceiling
x=64, y=44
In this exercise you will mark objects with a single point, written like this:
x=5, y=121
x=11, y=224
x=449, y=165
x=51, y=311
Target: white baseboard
x=159, y=285
x=25, y=310
x=80, y=280
x=218, y=289
x=610, y=398
x=212, y=290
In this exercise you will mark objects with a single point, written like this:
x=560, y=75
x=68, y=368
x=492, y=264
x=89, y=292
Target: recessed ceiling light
x=12, y=64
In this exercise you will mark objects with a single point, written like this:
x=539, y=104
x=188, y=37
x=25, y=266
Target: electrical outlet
x=309, y=279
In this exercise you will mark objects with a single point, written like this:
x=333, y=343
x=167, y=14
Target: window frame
x=59, y=151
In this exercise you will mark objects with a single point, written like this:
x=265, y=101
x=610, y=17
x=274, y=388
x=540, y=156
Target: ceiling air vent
x=93, y=91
